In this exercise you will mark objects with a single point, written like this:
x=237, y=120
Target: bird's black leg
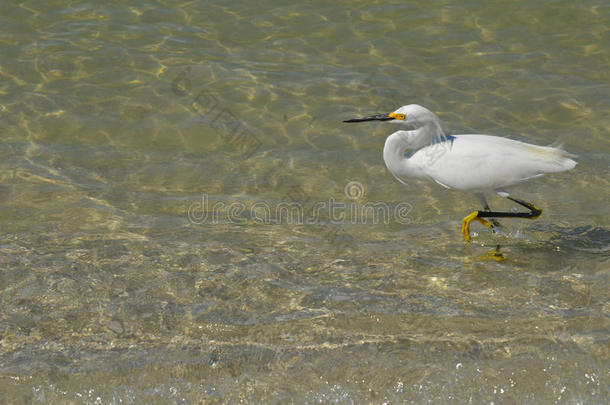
x=494, y=223
x=483, y=200
x=490, y=224
x=534, y=212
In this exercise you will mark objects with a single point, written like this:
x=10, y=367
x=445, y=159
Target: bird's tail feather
x=559, y=158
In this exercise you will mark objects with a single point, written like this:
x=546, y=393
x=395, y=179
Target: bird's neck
x=394, y=153
x=399, y=142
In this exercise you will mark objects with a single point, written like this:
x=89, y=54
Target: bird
x=479, y=164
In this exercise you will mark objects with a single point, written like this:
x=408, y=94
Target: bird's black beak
x=378, y=117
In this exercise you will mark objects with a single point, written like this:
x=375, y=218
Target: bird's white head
x=426, y=125
x=413, y=115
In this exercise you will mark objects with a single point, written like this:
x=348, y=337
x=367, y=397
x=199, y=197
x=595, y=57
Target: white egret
x=476, y=163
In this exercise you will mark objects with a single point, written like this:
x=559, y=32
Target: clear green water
x=117, y=119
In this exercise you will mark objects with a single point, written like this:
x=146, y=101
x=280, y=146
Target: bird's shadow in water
x=583, y=239
x=587, y=238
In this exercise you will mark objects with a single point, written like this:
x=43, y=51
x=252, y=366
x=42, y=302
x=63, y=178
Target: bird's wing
x=483, y=162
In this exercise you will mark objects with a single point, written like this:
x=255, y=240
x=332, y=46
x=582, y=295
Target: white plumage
x=474, y=163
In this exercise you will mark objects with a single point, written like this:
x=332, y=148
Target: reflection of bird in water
x=475, y=163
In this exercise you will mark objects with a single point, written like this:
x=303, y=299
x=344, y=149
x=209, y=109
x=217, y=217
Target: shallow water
x=185, y=218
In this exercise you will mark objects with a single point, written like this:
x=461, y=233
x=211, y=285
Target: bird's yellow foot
x=466, y=224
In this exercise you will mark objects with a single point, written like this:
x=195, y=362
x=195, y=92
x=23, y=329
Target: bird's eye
x=401, y=117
